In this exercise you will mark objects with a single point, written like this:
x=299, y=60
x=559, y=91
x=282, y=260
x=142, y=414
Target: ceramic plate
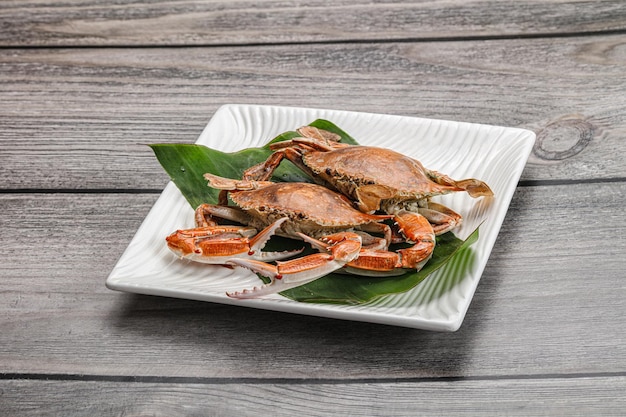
x=496, y=155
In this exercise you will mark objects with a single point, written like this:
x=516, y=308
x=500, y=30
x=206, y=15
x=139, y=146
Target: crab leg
x=264, y=170
x=205, y=213
x=475, y=188
x=342, y=248
x=221, y=244
x=222, y=183
x=313, y=140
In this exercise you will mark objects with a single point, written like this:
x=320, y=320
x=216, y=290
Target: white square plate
x=496, y=155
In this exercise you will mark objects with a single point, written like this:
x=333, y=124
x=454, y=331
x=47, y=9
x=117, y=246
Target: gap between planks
x=431, y=39
x=295, y=381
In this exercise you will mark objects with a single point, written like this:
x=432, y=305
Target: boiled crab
x=304, y=211
x=374, y=178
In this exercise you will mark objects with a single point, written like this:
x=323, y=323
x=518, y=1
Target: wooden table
x=85, y=85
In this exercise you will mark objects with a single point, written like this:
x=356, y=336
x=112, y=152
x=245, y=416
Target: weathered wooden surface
x=39, y=23
x=67, y=102
x=546, y=396
x=85, y=85
x=544, y=305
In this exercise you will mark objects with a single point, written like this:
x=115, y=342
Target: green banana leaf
x=186, y=164
x=339, y=288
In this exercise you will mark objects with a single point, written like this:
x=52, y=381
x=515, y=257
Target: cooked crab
x=374, y=178
x=304, y=211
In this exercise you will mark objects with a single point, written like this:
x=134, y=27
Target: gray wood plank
x=546, y=396
x=95, y=22
x=80, y=118
x=551, y=301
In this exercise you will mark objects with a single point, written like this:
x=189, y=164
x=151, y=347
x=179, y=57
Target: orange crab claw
x=417, y=229
x=342, y=248
x=381, y=263
x=220, y=244
x=376, y=263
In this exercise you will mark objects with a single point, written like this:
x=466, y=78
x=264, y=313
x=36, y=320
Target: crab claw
x=220, y=244
x=342, y=248
x=442, y=218
x=419, y=231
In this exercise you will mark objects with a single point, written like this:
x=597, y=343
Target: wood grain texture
x=542, y=307
x=80, y=118
x=86, y=84
x=549, y=396
x=128, y=22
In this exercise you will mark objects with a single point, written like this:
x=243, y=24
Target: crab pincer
x=217, y=245
x=414, y=229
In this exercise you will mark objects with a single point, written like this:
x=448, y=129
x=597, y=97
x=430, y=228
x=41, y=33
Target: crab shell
x=390, y=177
x=311, y=209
